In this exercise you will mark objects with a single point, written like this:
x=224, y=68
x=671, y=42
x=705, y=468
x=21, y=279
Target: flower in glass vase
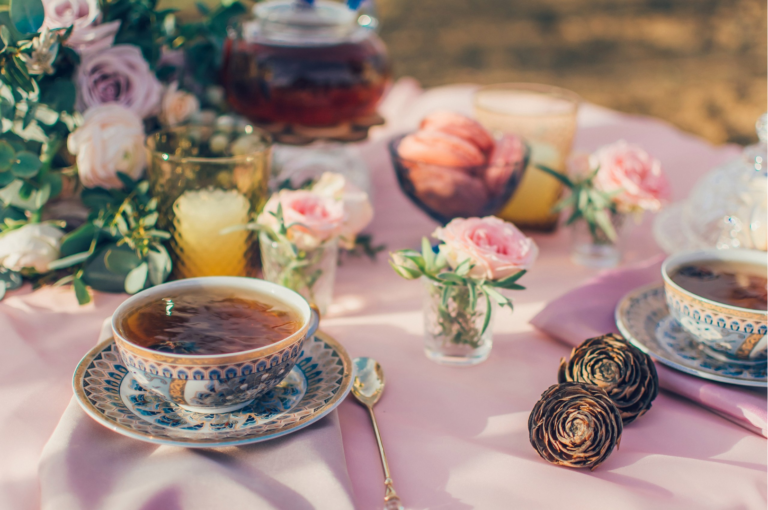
x=300, y=231
x=616, y=180
x=477, y=259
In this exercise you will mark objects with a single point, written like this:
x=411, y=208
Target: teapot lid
x=307, y=22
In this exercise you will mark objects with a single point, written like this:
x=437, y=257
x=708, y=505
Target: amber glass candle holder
x=207, y=179
x=545, y=117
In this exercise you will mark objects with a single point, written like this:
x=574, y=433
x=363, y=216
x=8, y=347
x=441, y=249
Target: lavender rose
x=110, y=140
x=84, y=16
x=118, y=75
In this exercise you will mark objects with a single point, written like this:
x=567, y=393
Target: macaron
x=458, y=125
x=438, y=148
x=448, y=191
x=502, y=163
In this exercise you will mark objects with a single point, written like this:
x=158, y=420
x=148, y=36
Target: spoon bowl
x=368, y=385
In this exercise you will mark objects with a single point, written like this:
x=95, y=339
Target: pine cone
x=575, y=425
x=626, y=373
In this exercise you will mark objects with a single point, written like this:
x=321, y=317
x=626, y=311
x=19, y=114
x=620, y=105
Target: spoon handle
x=391, y=499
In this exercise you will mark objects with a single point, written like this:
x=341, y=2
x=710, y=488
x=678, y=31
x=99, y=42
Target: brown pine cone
x=626, y=373
x=575, y=425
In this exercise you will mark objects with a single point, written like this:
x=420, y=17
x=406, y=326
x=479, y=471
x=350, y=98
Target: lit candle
x=203, y=250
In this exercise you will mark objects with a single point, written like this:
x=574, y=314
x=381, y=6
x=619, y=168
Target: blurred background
x=699, y=64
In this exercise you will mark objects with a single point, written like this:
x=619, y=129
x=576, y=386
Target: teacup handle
x=314, y=323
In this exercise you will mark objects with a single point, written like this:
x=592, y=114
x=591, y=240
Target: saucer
x=643, y=318
x=317, y=384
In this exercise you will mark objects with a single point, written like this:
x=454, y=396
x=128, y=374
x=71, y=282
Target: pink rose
x=177, y=106
x=118, y=75
x=316, y=218
x=110, y=140
x=84, y=16
x=358, y=211
x=629, y=168
x=496, y=248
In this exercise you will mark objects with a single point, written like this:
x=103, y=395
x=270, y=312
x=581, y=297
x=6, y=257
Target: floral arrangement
x=617, y=179
x=81, y=82
x=300, y=227
x=476, y=259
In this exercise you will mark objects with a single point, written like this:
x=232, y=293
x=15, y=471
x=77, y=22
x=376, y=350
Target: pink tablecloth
x=456, y=438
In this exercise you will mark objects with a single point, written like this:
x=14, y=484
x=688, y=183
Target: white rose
x=110, y=140
x=84, y=16
x=34, y=245
x=358, y=211
x=177, y=105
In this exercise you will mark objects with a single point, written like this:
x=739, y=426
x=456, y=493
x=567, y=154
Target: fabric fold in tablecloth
x=588, y=311
x=87, y=466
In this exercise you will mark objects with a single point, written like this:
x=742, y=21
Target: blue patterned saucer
x=315, y=386
x=643, y=318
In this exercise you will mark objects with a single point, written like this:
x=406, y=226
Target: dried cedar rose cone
x=625, y=372
x=575, y=425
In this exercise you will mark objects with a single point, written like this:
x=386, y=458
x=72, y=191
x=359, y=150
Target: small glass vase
x=597, y=251
x=311, y=273
x=452, y=330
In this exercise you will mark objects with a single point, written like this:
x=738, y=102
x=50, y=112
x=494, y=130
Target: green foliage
x=587, y=203
x=118, y=249
x=458, y=287
x=27, y=15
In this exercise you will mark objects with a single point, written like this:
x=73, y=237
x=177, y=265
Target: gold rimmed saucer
x=318, y=383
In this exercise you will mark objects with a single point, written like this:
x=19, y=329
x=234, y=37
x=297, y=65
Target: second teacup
x=697, y=286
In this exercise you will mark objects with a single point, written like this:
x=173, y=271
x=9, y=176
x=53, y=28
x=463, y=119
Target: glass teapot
x=728, y=208
x=307, y=64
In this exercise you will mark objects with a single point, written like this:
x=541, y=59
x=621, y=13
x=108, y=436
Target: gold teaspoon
x=367, y=389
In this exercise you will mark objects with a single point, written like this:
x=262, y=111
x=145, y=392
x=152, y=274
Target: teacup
x=726, y=331
x=215, y=383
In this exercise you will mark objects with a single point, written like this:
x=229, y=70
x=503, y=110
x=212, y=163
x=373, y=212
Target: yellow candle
x=200, y=217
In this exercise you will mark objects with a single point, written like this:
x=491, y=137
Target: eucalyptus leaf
x=11, y=279
x=6, y=178
x=488, y=311
x=81, y=291
x=2, y=290
x=557, y=175
x=69, y=261
x=159, y=264
x=452, y=278
x=7, y=155
x=428, y=254
x=95, y=198
x=120, y=260
x=99, y=277
x=27, y=15
x=136, y=279
x=79, y=240
x=26, y=164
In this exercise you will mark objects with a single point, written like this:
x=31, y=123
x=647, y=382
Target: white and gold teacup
x=221, y=382
x=729, y=332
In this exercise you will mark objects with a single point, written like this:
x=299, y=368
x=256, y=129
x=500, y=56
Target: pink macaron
x=448, y=191
x=438, y=148
x=460, y=126
x=503, y=161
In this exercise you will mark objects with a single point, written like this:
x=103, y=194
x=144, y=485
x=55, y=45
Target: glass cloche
x=728, y=208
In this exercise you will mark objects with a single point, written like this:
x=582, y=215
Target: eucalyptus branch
x=456, y=282
x=587, y=202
